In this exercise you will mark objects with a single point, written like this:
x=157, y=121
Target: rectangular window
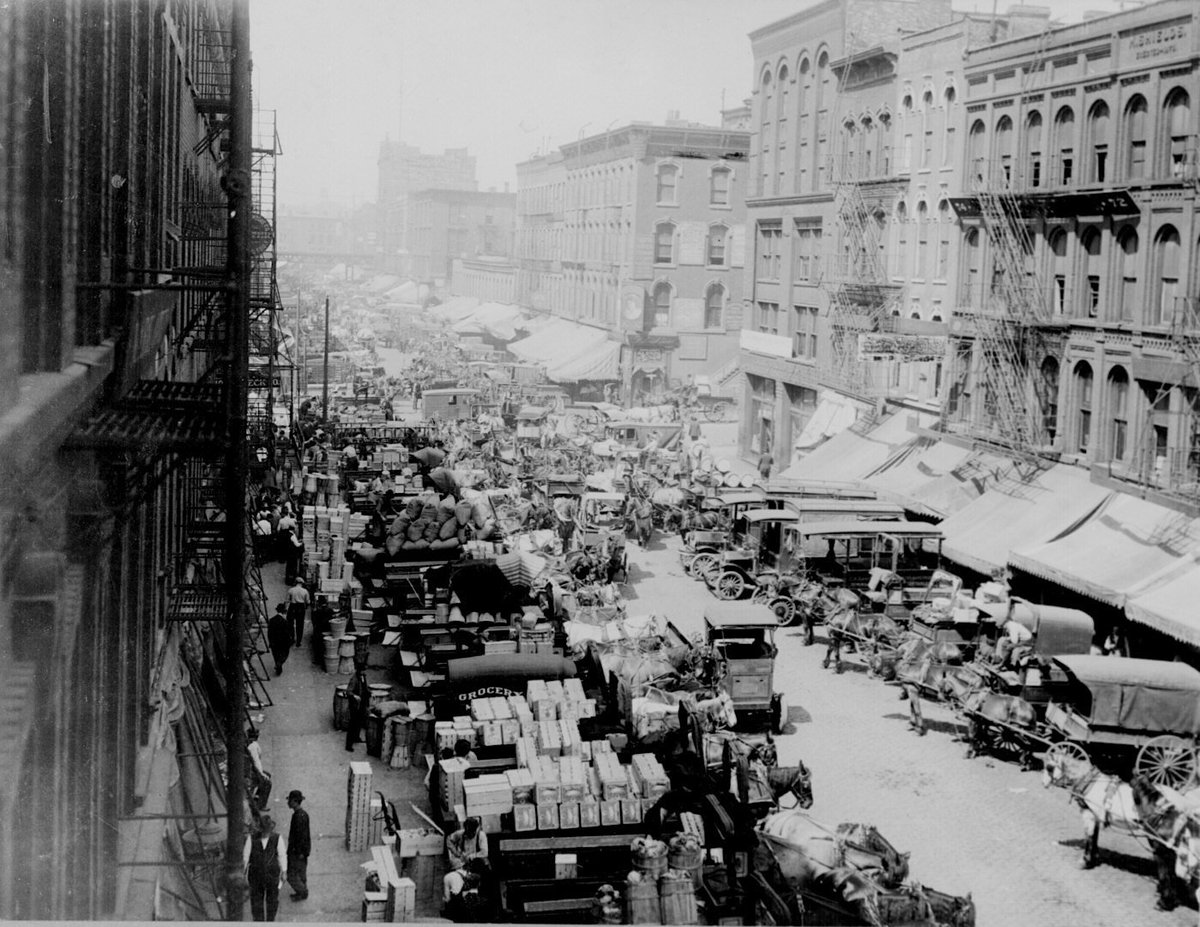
x=1068, y=167
x=804, y=332
x=719, y=191
x=808, y=244
x=1035, y=169
x=1118, y=439
x=943, y=250
x=666, y=185
x=1060, y=294
x=1137, y=160
x=1093, y=296
x=769, y=245
x=906, y=155
x=768, y=318
x=664, y=240
x=922, y=248
x=716, y=247
x=927, y=150
x=1100, y=163
x=948, y=150
x=1085, y=429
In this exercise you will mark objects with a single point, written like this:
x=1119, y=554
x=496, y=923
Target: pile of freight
x=562, y=782
x=661, y=886
x=429, y=524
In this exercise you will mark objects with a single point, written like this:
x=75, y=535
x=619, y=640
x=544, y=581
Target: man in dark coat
x=264, y=857
x=321, y=616
x=279, y=637
x=299, y=845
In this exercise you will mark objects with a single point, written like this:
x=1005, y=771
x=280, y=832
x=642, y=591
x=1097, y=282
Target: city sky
x=504, y=78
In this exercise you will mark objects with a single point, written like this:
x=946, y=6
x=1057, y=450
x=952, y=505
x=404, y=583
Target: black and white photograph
x=649, y=462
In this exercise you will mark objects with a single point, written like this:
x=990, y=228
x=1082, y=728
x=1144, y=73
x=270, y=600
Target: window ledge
x=723, y=206
x=672, y=205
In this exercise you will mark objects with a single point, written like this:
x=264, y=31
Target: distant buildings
x=639, y=231
x=404, y=169
x=445, y=226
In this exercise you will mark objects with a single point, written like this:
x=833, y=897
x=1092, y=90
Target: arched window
x=1033, y=148
x=717, y=235
x=922, y=267
x=1127, y=240
x=1090, y=295
x=781, y=130
x=664, y=243
x=1166, y=275
x=766, y=101
x=823, y=127
x=927, y=100
x=1097, y=143
x=901, y=239
x=973, y=261
x=802, y=87
x=950, y=96
x=1118, y=412
x=714, y=306
x=1048, y=396
x=1083, y=405
x=1004, y=148
x=1176, y=119
x=942, y=261
x=658, y=314
x=1064, y=145
x=977, y=150
x=866, y=150
x=885, y=144
x=1057, y=240
x=668, y=175
x=1135, y=138
x=848, y=165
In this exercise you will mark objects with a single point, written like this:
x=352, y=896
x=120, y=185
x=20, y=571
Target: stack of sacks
x=426, y=523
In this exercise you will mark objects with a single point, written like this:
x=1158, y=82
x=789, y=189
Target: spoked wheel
x=1167, y=760
x=702, y=565
x=765, y=589
x=784, y=610
x=730, y=585
x=714, y=411
x=1065, y=753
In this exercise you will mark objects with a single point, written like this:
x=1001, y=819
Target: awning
x=1111, y=554
x=834, y=414
x=913, y=467
x=1016, y=512
x=598, y=362
x=850, y=456
x=455, y=309
x=1167, y=600
x=966, y=482
x=558, y=340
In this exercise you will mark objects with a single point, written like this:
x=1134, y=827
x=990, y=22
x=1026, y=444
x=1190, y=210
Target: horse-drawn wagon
x=707, y=529
x=753, y=556
x=742, y=634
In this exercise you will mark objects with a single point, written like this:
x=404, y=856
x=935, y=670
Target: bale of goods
x=649, y=855
x=642, y=904
x=677, y=895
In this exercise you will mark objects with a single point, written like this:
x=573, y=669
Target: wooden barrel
x=345, y=666
x=678, y=899
x=649, y=856
x=642, y=904
x=346, y=645
x=379, y=693
x=685, y=853
x=341, y=706
x=337, y=627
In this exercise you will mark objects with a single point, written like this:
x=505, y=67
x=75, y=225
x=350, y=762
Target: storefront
x=762, y=414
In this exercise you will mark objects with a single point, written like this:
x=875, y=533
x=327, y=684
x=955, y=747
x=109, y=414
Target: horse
x=1171, y=822
x=1103, y=799
x=815, y=601
x=992, y=717
x=848, y=624
x=804, y=849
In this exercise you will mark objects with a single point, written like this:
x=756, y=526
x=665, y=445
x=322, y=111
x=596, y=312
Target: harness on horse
x=1080, y=787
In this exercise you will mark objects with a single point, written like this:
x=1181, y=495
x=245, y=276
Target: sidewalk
x=301, y=750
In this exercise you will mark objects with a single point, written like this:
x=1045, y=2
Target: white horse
x=1103, y=800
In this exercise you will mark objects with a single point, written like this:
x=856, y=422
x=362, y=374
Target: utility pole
x=238, y=192
x=325, y=382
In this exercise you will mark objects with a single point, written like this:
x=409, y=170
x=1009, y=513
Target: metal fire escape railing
x=267, y=368
x=1009, y=330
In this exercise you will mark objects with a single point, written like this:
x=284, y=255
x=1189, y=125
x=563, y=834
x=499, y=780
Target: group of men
x=268, y=860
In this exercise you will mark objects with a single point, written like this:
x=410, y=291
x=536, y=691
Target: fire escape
x=1011, y=331
x=153, y=428
x=861, y=296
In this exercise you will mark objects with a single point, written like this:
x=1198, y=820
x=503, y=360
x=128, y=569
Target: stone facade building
x=447, y=225
x=403, y=170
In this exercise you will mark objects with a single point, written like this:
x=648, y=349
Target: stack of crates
x=358, y=807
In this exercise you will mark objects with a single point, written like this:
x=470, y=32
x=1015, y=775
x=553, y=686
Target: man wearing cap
x=264, y=857
x=299, y=845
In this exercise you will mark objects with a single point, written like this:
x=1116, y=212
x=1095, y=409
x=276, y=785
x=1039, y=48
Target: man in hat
x=258, y=780
x=297, y=606
x=321, y=617
x=299, y=845
x=463, y=848
x=279, y=637
x=265, y=859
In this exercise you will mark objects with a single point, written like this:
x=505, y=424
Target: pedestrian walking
x=279, y=637
x=359, y=693
x=321, y=616
x=765, y=462
x=258, y=780
x=265, y=861
x=297, y=605
x=299, y=845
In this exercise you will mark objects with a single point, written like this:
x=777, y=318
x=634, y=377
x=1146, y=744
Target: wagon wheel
x=1065, y=751
x=766, y=588
x=1167, y=760
x=784, y=609
x=1005, y=739
x=702, y=564
x=730, y=585
x=714, y=411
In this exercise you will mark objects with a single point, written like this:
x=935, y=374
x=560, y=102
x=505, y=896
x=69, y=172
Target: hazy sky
x=503, y=78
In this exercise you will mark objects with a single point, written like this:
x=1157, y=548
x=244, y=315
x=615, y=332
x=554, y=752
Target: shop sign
x=488, y=692
x=897, y=347
x=1152, y=44
x=649, y=357
x=259, y=379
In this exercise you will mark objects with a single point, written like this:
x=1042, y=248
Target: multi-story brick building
x=403, y=170
x=639, y=231
x=446, y=225
x=112, y=199
x=1093, y=131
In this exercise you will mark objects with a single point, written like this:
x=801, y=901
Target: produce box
x=525, y=817
x=568, y=815
x=547, y=817
x=631, y=811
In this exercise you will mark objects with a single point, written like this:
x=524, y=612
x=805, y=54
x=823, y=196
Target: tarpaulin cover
x=913, y=467
x=1017, y=512
x=430, y=456
x=546, y=343
x=1155, y=696
x=851, y=456
x=1111, y=554
x=596, y=361
x=833, y=415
